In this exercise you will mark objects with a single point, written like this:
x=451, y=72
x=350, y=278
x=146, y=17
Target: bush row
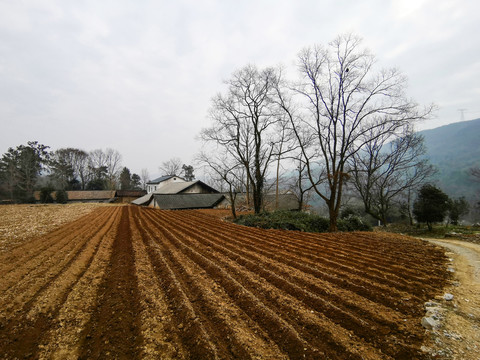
x=300, y=221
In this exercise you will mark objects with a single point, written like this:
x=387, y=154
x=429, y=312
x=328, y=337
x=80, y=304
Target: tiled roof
x=144, y=200
x=160, y=179
x=178, y=187
x=130, y=193
x=187, y=201
x=174, y=187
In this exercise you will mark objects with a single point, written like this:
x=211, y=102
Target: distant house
x=127, y=196
x=102, y=196
x=157, y=184
x=85, y=195
x=167, y=195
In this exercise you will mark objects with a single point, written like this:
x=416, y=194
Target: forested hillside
x=454, y=149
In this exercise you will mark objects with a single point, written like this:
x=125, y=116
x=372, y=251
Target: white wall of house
x=153, y=187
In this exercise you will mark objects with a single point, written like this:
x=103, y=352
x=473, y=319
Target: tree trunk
x=257, y=201
x=276, y=189
x=233, y=197
x=300, y=202
x=333, y=214
x=248, y=191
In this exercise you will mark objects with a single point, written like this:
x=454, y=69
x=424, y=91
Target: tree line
x=346, y=126
x=33, y=166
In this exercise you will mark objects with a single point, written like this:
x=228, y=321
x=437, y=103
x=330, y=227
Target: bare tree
x=224, y=169
x=114, y=166
x=346, y=104
x=243, y=122
x=300, y=184
x=105, y=166
x=172, y=166
x=475, y=173
x=284, y=145
x=145, y=177
x=386, y=168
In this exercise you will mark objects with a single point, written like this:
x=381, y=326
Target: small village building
x=99, y=196
x=160, y=182
x=127, y=196
x=178, y=194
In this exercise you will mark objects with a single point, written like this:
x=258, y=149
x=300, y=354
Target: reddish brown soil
x=139, y=283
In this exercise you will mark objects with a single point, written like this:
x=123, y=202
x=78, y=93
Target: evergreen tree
x=125, y=179
x=20, y=168
x=431, y=205
x=457, y=208
x=136, y=183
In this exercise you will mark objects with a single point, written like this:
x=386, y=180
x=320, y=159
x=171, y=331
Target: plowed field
x=138, y=283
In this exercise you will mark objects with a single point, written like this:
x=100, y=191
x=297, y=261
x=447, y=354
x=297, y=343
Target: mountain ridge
x=454, y=149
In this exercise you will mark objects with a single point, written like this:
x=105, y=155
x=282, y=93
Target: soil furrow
x=378, y=267
x=160, y=335
x=31, y=326
x=63, y=341
x=26, y=284
x=113, y=329
x=331, y=276
x=335, y=263
x=138, y=283
x=193, y=334
x=25, y=253
x=253, y=297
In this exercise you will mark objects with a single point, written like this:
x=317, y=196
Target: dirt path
x=459, y=334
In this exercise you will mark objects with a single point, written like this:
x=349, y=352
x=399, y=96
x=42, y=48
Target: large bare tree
x=243, y=122
x=386, y=169
x=345, y=103
x=106, y=166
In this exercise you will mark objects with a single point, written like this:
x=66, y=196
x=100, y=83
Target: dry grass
x=18, y=223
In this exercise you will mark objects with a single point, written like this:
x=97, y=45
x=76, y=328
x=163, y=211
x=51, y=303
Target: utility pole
x=462, y=114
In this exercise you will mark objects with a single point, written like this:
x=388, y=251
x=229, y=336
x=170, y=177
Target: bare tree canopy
x=344, y=104
x=475, y=173
x=145, y=177
x=172, y=166
x=386, y=168
x=225, y=170
x=244, y=120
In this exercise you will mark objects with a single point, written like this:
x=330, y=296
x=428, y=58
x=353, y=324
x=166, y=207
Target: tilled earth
x=139, y=283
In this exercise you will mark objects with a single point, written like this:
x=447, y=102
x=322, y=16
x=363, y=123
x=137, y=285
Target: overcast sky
x=138, y=76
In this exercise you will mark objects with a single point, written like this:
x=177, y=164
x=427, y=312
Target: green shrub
x=300, y=221
x=62, y=197
x=353, y=223
x=46, y=195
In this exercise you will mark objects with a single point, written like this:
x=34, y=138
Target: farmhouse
x=175, y=193
x=160, y=182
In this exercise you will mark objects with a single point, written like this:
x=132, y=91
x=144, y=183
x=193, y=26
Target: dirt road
x=459, y=335
x=138, y=283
